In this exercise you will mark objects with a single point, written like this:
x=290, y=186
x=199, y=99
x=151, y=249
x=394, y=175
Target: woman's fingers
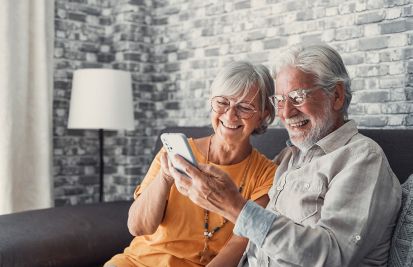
x=182, y=182
x=165, y=169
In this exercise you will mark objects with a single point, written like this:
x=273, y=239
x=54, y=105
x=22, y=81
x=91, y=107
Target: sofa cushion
x=401, y=251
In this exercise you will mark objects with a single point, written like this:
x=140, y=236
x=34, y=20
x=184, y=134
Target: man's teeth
x=298, y=124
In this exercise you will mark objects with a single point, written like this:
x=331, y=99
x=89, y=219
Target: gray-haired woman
x=172, y=231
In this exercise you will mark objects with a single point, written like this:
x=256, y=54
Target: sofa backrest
x=397, y=144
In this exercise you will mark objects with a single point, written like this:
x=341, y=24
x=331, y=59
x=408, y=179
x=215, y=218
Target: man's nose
x=289, y=109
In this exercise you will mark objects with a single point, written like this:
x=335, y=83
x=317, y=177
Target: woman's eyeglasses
x=296, y=98
x=221, y=105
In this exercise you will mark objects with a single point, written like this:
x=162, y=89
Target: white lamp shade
x=101, y=99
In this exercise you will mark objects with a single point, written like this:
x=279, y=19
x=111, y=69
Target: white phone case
x=177, y=143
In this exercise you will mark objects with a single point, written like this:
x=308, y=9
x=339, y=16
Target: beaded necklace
x=207, y=255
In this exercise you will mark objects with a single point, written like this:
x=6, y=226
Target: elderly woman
x=169, y=229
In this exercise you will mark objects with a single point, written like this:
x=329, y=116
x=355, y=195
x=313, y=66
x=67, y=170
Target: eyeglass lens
x=222, y=104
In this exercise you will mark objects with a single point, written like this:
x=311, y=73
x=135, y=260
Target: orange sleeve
x=264, y=177
x=150, y=175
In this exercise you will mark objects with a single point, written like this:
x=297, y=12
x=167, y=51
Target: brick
x=410, y=67
x=393, y=27
x=197, y=84
x=398, y=40
x=398, y=94
x=212, y=52
x=132, y=56
x=370, y=17
x=103, y=57
x=274, y=43
x=396, y=120
x=72, y=190
x=258, y=57
x=348, y=33
x=88, y=180
x=373, y=96
x=409, y=120
x=391, y=82
x=357, y=84
x=88, y=47
x=242, y=5
x=373, y=109
x=346, y=8
x=373, y=121
x=409, y=95
x=371, y=30
x=172, y=67
x=255, y=35
x=408, y=53
x=390, y=55
x=160, y=21
x=357, y=109
x=373, y=43
x=392, y=3
x=172, y=106
x=76, y=17
x=305, y=15
x=393, y=13
x=311, y=38
x=407, y=11
x=372, y=70
x=137, y=2
x=396, y=108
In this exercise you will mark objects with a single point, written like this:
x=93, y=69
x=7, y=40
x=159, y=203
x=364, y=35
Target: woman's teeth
x=230, y=126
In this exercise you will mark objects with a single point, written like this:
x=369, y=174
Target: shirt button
x=279, y=188
x=358, y=238
x=307, y=186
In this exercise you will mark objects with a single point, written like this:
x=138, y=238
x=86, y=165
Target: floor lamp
x=101, y=99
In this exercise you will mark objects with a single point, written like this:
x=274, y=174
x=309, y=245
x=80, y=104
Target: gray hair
x=324, y=63
x=238, y=78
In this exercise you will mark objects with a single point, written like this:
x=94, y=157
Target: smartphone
x=177, y=144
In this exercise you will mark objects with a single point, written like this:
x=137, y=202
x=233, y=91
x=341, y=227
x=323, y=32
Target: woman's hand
x=208, y=187
x=165, y=174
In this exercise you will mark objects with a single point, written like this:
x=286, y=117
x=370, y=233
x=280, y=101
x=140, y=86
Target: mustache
x=296, y=119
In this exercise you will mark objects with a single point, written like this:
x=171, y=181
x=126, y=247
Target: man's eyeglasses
x=297, y=98
x=221, y=105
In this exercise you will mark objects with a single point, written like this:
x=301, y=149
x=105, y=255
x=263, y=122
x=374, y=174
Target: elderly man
x=335, y=199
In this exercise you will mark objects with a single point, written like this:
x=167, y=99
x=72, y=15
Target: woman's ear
x=339, y=96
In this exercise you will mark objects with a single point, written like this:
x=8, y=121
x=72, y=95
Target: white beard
x=322, y=127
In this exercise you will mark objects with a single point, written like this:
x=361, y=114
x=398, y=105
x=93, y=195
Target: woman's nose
x=232, y=112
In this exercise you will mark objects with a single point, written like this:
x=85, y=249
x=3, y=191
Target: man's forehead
x=290, y=79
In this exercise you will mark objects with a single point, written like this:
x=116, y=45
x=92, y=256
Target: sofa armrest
x=82, y=235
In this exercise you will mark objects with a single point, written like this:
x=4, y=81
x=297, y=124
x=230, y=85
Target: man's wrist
x=236, y=209
x=254, y=222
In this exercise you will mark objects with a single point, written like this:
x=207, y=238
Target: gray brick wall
x=102, y=34
x=174, y=49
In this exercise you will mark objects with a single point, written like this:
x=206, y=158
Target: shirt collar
x=339, y=137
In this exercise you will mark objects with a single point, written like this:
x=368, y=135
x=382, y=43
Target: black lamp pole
x=101, y=166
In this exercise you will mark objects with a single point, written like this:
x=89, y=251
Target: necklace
x=206, y=254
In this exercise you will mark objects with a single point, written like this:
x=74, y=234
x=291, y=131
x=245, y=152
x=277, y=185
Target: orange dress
x=179, y=238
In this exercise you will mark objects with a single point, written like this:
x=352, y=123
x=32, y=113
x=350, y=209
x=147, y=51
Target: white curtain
x=26, y=80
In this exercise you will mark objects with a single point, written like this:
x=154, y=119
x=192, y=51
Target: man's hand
x=208, y=187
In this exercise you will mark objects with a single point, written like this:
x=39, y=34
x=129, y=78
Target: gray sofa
x=88, y=235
